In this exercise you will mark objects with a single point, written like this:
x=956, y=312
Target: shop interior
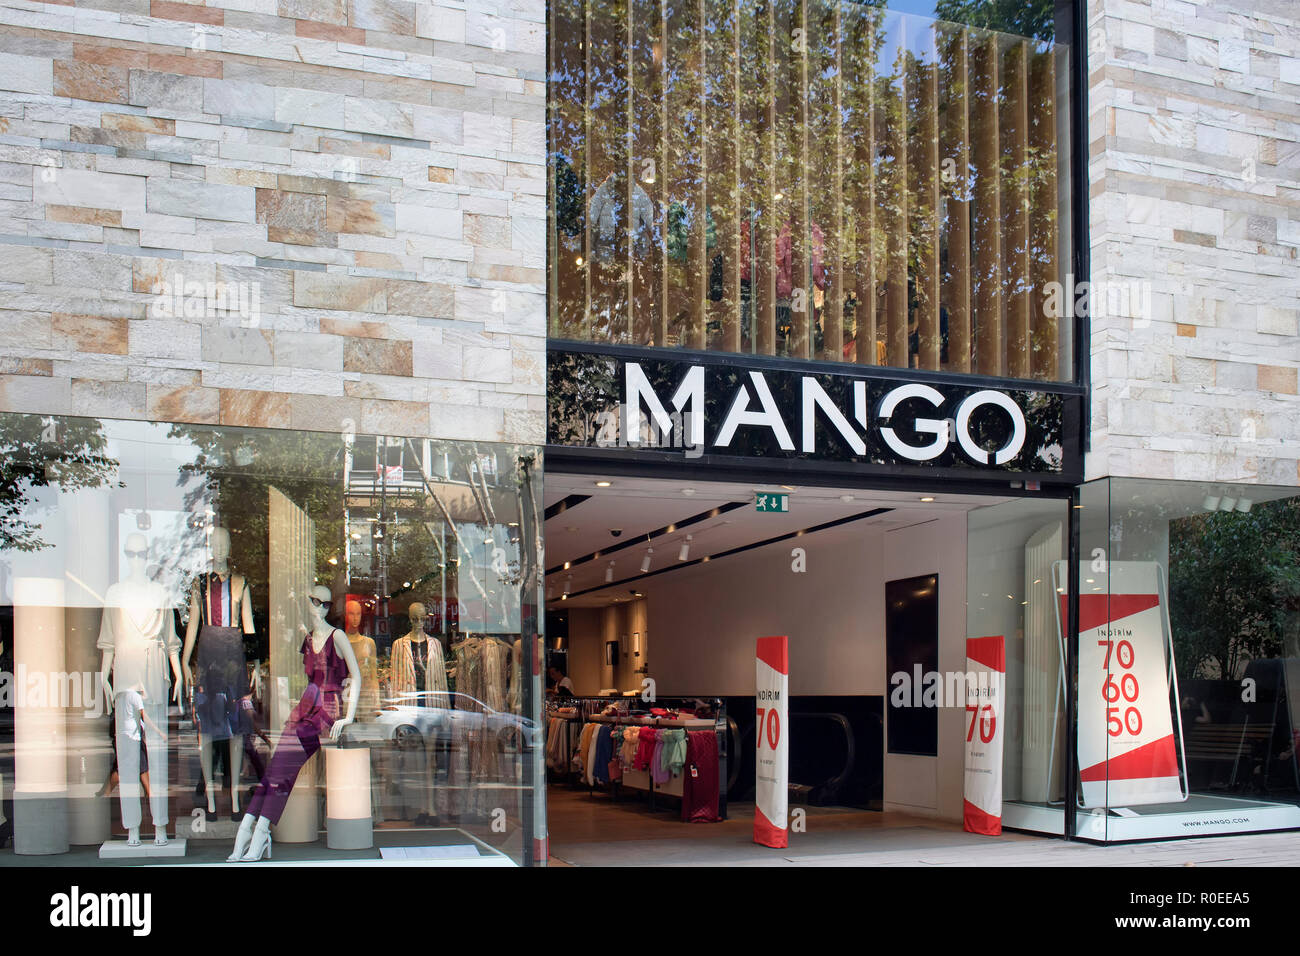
x=656, y=591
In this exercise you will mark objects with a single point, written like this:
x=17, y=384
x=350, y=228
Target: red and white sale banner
x=1127, y=753
x=986, y=669
x=772, y=757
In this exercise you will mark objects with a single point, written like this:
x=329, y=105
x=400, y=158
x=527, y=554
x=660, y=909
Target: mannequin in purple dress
x=328, y=659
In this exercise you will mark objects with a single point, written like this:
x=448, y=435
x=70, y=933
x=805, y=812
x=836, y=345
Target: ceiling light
x=928, y=498
x=333, y=559
x=603, y=483
x=566, y=565
x=609, y=573
x=685, y=552
x=846, y=498
x=688, y=492
x=645, y=562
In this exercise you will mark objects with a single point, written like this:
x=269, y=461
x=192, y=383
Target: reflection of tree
x=580, y=388
x=1234, y=586
x=40, y=452
x=239, y=465
x=1026, y=18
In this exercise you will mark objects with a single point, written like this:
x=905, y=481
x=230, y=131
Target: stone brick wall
x=282, y=213
x=1194, y=130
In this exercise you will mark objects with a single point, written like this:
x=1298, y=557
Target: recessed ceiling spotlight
x=928, y=498
x=846, y=498
x=688, y=492
x=603, y=483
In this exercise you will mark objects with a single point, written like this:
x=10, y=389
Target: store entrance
x=656, y=591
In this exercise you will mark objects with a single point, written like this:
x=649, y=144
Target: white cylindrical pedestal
x=40, y=738
x=348, y=824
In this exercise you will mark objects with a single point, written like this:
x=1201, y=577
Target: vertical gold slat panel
x=553, y=127
x=896, y=211
x=697, y=248
x=836, y=260
x=646, y=139
x=861, y=47
x=1044, y=218
x=955, y=146
x=608, y=149
x=1015, y=207
x=738, y=196
x=680, y=168
x=987, y=220
x=925, y=214
x=587, y=175
x=801, y=302
x=721, y=305
x=630, y=205
x=663, y=176
x=765, y=226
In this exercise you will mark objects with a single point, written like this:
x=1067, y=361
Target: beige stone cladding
x=1194, y=169
x=278, y=213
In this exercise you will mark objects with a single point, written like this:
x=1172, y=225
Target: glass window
x=1012, y=548
x=1189, y=657
x=819, y=180
x=211, y=630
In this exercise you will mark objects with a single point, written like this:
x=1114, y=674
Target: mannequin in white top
x=222, y=668
x=138, y=637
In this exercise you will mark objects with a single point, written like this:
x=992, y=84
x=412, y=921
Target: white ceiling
x=640, y=505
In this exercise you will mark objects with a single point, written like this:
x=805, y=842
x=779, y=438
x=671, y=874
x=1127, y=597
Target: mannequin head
x=352, y=616
x=136, y=551
x=417, y=615
x=219, y=546
x=318, y=604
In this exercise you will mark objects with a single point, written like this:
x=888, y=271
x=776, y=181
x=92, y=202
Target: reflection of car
x=444, y=717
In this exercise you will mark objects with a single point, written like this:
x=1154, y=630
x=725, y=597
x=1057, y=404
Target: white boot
x=242, y=838
x=261, y=842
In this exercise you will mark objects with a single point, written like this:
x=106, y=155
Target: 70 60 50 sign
x=1121, y=695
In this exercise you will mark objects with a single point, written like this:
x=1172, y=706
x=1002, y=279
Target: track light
x=685, y=552
x=609, y=573
x=645, y=562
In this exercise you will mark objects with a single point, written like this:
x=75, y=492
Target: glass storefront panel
x=328, y=634
x=1012, y=548
x=816, y=180
x=1189, y=659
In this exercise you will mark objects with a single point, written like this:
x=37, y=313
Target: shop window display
x=212, y=616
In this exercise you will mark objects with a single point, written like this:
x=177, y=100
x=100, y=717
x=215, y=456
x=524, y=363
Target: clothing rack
x=643, y=780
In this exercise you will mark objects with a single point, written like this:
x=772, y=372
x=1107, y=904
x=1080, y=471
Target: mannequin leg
x=206, y=760
x=127, y=742
x=155, y=737
x=236, y=744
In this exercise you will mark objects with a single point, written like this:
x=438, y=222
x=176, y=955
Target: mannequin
x=221, y=613
x=138, y=636
x=367, y=660
x=418, y=667
x=327, y=658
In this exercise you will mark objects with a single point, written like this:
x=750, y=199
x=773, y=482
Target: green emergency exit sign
x=764, y=501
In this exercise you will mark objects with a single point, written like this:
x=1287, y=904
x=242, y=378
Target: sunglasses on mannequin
x=136, y=554
x=320, y=604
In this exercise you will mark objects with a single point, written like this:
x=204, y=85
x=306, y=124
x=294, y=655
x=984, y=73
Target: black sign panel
x=740, y=409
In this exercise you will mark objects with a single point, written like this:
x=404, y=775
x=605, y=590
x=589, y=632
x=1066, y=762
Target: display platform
x=1199, y=815
x=146, y=849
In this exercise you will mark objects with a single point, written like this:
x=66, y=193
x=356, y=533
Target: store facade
x=353, y=346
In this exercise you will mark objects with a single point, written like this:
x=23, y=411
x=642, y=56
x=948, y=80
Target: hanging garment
x=658, y=771
x=600, y=764
x=407, y=677
x=311, y=719
x=645, y=748
x=674, y=754
x=700, y=784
